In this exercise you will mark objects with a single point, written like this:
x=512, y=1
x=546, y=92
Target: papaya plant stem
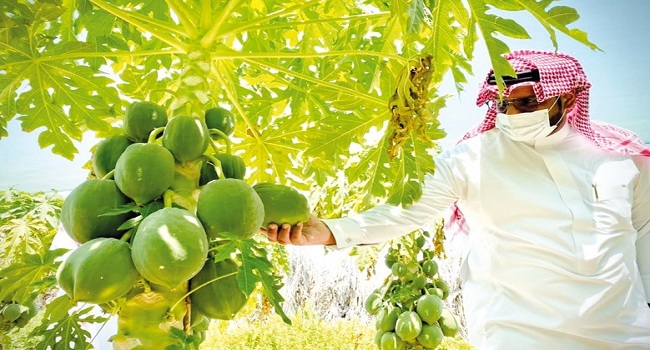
x=206, y=14
x=187, y=318
x=224, y=137
x=109, y=175
x=154, y=134
x=168, y=198
x=217, y=166
x=201, y=286
x=211, y=34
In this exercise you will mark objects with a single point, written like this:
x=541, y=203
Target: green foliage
x=28, y=223
x=62, y=329
x=255, y=269
x=307, y=331
x=308, y=81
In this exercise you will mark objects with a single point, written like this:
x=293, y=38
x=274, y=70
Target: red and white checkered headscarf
x=559, y=73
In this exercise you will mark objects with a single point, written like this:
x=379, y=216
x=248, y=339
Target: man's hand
x=312, y=232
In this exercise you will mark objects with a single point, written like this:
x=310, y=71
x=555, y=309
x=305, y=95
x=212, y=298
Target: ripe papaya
x=144, y=171
x=282, y=204
x=233, y=167
x=230, y=205
x=98, y=271
x=221, y=119
x=107, y=152
x=186, y=137
x=82, y=211
x=170, y=246
x=221, y=298
x=141, y=118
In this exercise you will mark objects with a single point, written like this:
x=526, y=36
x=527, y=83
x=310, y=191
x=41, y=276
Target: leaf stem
x=206, y=14
x=225, y=138
x=168, y=198
x=217, y=166
x=154, y=134
x=267, y=18
x=109, y=175
x=158, y=30
x=201, y=286
x=187, y=18
x=211, y=34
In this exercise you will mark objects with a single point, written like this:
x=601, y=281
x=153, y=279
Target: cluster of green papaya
x=408, y=309
x=13, y=314
x=163, y=193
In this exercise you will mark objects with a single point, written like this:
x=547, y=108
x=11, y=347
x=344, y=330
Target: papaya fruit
x=144, y=171
x=221, y=298
x=230, y=205
x=98, y=271
x=282, y=204
x=82, y=210
x=233, y=167
x=107, y=152
x=448, y=323
x=141, y=118
x=221, y=119
x=186, y=137
x=170, y=246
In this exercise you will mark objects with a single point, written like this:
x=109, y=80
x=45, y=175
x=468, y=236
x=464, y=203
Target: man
x=557, y=210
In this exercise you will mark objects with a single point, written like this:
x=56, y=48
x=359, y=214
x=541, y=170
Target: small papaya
x=170, y=246
x=230, y=205
x=221, y=119
x=107, y=152
x=186, y=137
x=82, y=212
x=144, y=171
x=98, y=271
x=233, y=167
x=141, y=118
x=282, y=204
x=221, y=298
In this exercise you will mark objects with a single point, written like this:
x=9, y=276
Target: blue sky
x=620, y=92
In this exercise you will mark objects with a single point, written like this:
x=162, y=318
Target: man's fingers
x=296, y=234
x=272, y=232
x=284, y=234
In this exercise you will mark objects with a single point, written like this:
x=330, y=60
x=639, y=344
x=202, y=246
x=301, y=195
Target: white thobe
x=558, y=253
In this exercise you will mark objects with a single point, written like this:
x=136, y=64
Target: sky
x=619, y=75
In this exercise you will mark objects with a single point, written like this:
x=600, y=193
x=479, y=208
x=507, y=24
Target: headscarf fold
x=559, y=74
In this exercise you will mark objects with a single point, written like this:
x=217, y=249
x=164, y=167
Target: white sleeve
x=641, y=220
x=384, y=222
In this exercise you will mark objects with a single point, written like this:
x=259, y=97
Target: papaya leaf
x=62, y=329
x=256, y=267
x=20, y=280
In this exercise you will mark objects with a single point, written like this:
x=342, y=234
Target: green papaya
x=141, y=118
x=11, y=312
x=170, y=246
x=221, y=298
x=230, y=205
x=221, y=119
x=98, y=271
x=82, y=211
x=186, y=137
x=144, y=171
x=282, y=204
x=448, y=323
x=233, y=167
x=107, y=152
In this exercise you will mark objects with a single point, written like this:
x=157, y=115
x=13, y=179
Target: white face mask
x=528, y=126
